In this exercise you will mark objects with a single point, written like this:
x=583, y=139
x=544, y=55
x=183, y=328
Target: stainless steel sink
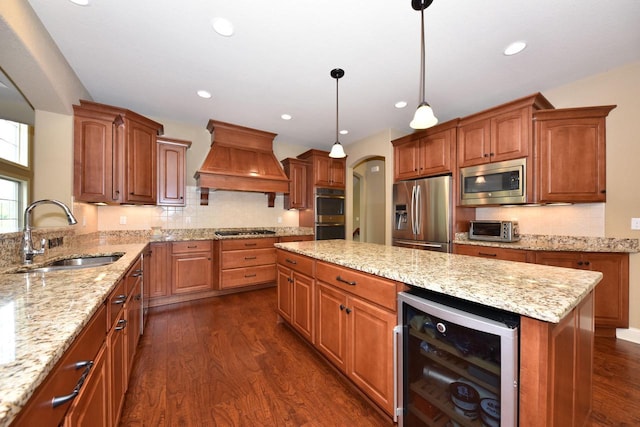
x=71, y=264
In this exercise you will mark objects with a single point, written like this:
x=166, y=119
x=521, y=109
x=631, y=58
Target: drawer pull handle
x=61, y=400
x=120, y=299
x=487, y=254
x=247, y=258
x=192, y=246
x=291, y=261
x=122, y=322
x=340, y=279
x=250, y=275
x=251, y=244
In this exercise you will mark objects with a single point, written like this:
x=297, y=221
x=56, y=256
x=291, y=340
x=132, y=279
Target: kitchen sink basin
x=70, y=263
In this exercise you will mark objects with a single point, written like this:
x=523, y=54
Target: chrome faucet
x=28, y=251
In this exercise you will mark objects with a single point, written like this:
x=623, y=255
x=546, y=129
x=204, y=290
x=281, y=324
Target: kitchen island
x=555, y=306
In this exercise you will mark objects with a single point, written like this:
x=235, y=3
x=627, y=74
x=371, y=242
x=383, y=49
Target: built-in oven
x=457, y=362
x=329, y=215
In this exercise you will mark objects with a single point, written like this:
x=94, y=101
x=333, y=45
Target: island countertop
x=537, y=291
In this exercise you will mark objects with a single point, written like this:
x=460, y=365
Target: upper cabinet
x=172, y=155
x=114, y=155
x=426, y=153
x=501, y=133
x=570, y=163
x=326, y=171
x=296, y=170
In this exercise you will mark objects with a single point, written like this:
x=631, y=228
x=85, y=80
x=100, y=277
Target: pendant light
x=424, y=117
x=337, y=152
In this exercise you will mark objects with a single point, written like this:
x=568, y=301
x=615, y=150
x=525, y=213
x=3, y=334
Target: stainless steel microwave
x=499, y=183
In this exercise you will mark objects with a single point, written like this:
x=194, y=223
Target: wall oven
x=496, y=183
x=457, y=362
x=329, y=219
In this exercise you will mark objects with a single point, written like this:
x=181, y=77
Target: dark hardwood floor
x=225, y=361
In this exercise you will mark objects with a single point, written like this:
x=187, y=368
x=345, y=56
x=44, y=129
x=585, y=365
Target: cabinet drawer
x=64, y=377
x=375, y=289
x=191, y=246
x=115, y=302
x=238, y=244
x=248, y=258
x=505, y=254
x=305, y=238
x=248, y=276
x=299, y=263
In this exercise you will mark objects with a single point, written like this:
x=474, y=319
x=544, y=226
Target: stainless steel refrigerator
x=422, y=214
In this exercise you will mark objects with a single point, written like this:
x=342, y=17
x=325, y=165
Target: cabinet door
x=285, y=293
x=321, y=171
x=436, y=153
x=160, y=270
x=331, y=325
x=370, y=349
x=296, y=170
x=474, y=143
x=93, y=159
x=612, y=293
x=141, y=159
x=302, y=305
x=171, y=174
x=134, y=320
x=511, y=135
x=338, y=170
x=91, y=407
x=572, y=160
x=406, y=160
x=191, y=272
x=116, y=346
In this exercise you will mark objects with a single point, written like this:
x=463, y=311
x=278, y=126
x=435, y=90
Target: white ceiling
x=151, y=56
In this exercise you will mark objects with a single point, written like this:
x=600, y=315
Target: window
x=15, y=173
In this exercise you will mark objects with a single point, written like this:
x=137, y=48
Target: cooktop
x=256, y=232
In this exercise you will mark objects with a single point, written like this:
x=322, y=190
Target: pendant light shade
x=337, y=151
x=424, y=117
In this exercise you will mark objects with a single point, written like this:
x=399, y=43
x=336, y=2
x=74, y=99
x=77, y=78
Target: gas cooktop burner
x=258, y=232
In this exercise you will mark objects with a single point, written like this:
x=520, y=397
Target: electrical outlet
x=635, y=223
x=123, y=219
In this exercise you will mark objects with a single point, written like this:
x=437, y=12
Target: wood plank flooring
x=225, y=361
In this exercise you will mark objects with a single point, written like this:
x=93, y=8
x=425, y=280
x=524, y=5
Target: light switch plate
x=635, y=223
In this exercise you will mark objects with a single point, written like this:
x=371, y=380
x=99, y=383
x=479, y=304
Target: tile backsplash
x=586, y=219
x=225, y=209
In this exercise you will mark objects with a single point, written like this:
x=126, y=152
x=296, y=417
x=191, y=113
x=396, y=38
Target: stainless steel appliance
x=457, y=362
x=422, y=214
x=494, y=231
x=496, y=183
x=329, y=220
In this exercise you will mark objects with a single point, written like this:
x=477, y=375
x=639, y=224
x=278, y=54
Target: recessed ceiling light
x=222, y=26
x=204, y=94
x=344, y=132
x=401, y=104
x=514, y=48
x=286, y=117
x=80, y=2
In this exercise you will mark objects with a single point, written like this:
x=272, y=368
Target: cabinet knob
x=348, y=311
x=342, y=307
x=580, y=262
x=486, y=155
x=587, y=263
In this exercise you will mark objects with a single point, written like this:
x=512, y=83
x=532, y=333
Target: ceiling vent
x=240, y=159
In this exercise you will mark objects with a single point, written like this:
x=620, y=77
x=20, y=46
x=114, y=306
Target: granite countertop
x=42, y=313
x=533, y=242
x=537, y=291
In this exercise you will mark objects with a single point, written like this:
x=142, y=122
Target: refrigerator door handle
x=413, y=214
x=418, y=209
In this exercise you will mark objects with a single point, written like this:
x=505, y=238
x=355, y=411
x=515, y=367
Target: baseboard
x=631, y=334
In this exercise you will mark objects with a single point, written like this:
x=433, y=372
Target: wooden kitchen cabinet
x=501, y=133
x=492, y=252
x=114, y=155
x=133, y=311
x=325, y=171
x=426, y=153
x=247, y=262
x=571, y=159
x=191, y=266
x=172, y=164
x=296, y=170
x=611, y=294
x=159, y=273
x=355, y=317
x=65, y=376
x=296, y=292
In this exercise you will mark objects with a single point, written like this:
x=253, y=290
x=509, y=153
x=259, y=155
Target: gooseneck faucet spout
x=28, y=251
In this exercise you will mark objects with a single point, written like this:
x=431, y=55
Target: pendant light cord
x=423, y=95
x=337, y=126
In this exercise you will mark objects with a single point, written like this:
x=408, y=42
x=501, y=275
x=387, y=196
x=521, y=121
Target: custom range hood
x=240, y=159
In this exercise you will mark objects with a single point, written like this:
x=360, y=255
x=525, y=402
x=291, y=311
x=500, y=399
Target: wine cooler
x=457, y=363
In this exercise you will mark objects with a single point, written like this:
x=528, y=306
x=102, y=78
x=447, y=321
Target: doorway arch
x=368, y=200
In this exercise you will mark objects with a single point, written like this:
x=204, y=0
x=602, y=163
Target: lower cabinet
x=349, y=316
x=506, y=254
x=159, y=273
x=191, y=266
x=246, y=262
x=117, y=352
